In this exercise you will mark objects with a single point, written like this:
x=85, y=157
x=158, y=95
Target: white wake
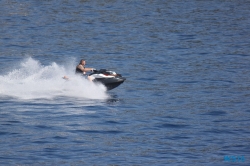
x=32, y=80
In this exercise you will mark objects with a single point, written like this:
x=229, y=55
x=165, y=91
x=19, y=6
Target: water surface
x=185, y=100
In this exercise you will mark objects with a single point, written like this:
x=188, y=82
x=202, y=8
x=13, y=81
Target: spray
x=32, y=80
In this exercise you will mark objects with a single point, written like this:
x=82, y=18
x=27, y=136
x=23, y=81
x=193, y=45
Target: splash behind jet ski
x=108, y=78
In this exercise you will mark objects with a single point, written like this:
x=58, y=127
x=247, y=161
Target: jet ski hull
x=110, y=83
x=108, y=78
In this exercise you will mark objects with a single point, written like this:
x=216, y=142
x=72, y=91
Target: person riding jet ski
x=81, y=69
x=106, y=77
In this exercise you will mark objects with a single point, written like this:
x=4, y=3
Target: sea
x=185, y=101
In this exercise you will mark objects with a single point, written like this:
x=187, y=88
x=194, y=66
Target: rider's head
x=82, y=62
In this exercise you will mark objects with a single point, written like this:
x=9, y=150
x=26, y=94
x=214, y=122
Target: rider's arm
x=88, y=69
x=83, y=69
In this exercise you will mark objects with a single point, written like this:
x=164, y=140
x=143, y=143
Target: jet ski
x=108, y=78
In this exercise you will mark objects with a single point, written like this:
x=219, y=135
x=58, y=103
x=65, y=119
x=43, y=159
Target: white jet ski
x=108, y=78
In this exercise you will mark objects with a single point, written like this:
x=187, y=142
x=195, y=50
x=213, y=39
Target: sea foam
x=32, y=80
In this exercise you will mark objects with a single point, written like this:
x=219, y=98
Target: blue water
x=185, y=100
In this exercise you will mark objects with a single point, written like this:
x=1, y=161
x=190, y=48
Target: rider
x=81, y=69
